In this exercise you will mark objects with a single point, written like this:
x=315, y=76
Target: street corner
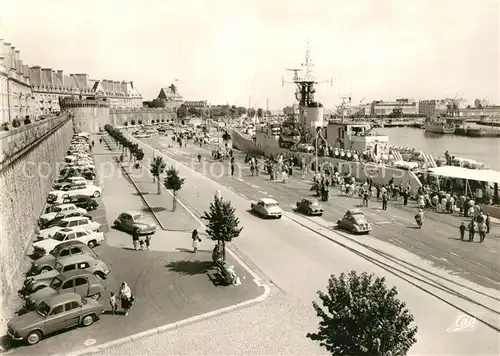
x=171, y=289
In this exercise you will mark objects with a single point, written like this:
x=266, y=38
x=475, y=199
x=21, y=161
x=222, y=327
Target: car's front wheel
x=34, y=337
x=96, y=194
x=91, y=244
x=44, y=270
x=88, y=320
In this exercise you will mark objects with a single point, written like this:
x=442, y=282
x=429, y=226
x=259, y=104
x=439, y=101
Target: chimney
x=19, y=66
x=60, y=75
x=16, y=54
x=2, y=60
x=47, y=76
x=36, y=75
x=82, y=81
x=7, y=53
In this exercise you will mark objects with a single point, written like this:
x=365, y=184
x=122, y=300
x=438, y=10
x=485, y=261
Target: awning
x=482, y=175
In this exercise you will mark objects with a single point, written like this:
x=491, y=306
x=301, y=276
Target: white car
x=267, y=207
x=60, y=208
x=72, y=222
x=90, y=190
x=90, y=238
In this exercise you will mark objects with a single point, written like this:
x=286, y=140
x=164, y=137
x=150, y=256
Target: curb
x=176, y=325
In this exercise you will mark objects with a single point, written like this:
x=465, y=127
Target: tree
x=125, y=123
x=182, y=111
x=360, y=316
x=226, y=136
x=139, y=154
x=478, y=104
x=223, y=225
x=260, y=112
x=152, y=121
x=287, y=110
x=139, y=122
x=251, y=112
x=157, y=168
x=132, y=122
x=174, y=183
x=193, y=111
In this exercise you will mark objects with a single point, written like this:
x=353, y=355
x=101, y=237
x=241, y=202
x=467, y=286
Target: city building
x=16, y=89
x=170, y=96
x=198, y=104
x=492, y=111
x=4, y=92
x=429, y=108
x=399, y=107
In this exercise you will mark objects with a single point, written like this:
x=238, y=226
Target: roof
x=62, y=298
x=74, y=259
x=74, y=273
x=72, y=229
x=69, y=243
x=73, y=218
x=132, y=212
x=481, y=175
x=268, y=201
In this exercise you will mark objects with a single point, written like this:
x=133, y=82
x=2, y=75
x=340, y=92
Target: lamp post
x=316, y=153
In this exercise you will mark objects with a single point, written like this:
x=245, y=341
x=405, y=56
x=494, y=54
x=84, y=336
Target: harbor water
x=481, y=149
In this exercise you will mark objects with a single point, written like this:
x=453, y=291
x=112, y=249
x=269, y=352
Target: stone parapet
x=15, y=142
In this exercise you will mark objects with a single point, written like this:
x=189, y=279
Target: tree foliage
x=223, y=225
x=226, y=136
x=360, y=316
x=173, y=182
x=157, y=167
x=155, y=103
x=260, y=112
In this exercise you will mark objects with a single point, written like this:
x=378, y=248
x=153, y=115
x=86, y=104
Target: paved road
x=438, y=241
x=297, y=257
x=168, y=286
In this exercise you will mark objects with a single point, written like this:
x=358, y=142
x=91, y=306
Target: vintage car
x=64, y=249
x=57, y=313
x=89, y=190
x=71, y=222
x=354, y=221
x=77, y=281
x=59, y=210
x=91, y=238
x=310, y=207
x=267, y=207
x=82, y=201
x=88, y=174
x=68, y=181
x=62, y=215
x=70, y=263
x=133, y=221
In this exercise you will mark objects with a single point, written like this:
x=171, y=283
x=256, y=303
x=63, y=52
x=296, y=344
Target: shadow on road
x=140, y=193
x=154, y=209
x=190, y=267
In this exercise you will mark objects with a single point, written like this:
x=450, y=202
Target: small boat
x=440, y=125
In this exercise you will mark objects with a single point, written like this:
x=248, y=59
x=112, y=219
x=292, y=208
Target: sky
x=237, y=51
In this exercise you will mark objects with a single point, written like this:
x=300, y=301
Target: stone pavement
x=168, y=286
x=298, y=260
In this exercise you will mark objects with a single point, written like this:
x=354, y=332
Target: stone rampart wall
x=90, y=118
x=24, y=185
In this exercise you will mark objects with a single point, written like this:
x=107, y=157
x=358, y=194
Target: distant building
x=16, y=92
x=387, y=108
x=170, y=96
x=492, y=111
x=199, y=104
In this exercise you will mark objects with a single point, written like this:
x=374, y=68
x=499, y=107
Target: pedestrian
x=232, y=169
x=126, y=297
x=148, y=241
x=472, y=230
x=378, y=191
x=482, y=231
x=135, y=239
x=93, y=143
x=141, y=244
x=100, y=141
x=462, y=231
x=384, y=201
x=405, y=197
x=487, y=222
x=196, y=240
x=112, y=303
x=366, y=196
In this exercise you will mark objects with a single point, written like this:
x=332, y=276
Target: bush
x=132, y=122
x=27, y=121
x=16, y=123
x=125, y=123
x=361, y=316
x=139, y=122
x=152, y=121
x=5, y=126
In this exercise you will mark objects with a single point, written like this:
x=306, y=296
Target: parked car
x=70, y=263
x=135, y=221
x=354, y=221
x=44, y=223
x=267, y=207
x=64, y=249
x=86, y=173
x=69, y=181
x=53, y=314
x=310, y=207
x=91, y=238
x=77, y=189
x=80, y=282
x=77, y=221
x=82, y=201
x=56, y=209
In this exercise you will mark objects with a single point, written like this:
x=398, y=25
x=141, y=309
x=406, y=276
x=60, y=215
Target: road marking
x=443, y=259
x=384, y=222
x=254, y=186
x=90, y=342
x=262, y=192
x=399, y=223
x=453, y=253
x=270, y=195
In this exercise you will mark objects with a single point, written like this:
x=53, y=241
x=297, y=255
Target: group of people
x=126, y=299
x=140, y=242
x=480, y=224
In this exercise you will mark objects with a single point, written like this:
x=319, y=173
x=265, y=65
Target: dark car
x=310, y=207
x=57, y=219
x=53, y=314
x=67, y=248
x=77, y=281
x=355, y=221
x=82, y=201
x=86, y=173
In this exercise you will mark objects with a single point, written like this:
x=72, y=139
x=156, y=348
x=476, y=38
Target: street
x=297, y=256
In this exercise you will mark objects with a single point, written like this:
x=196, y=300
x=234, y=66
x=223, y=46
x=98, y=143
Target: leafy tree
x=125, y=123
x=360, y=316
x=182, y=111
x=241, y=110
x=478, y=104
x=260, y=112
x=139, y=122
x=173, y=182
x=193, y=111
x=152, y=121
x=223, y=225
x=287, y=110
x=226, y=136
x=251, y=112
x=139, y=154
x=157, y=168
x=132, y=122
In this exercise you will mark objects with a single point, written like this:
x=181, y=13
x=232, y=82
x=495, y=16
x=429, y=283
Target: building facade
x=198, y=104
x=492, y=111
x=17, y=98
x=388, y=108
x=4, y=93
x=171, y=97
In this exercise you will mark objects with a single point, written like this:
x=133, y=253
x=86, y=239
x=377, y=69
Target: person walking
x=135, y=239
x=384, y=201
x=405, y=197
x=196, y=240
x=462, y=229
x=487, y=222
x=100, y=141
x=472, y=230
x=112, y=303
x=126, y=297
x=232, y=169
x=148, y=241
x=366, y=197
x=482, y=231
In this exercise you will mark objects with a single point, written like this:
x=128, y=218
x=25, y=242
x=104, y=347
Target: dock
x=473, y=132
